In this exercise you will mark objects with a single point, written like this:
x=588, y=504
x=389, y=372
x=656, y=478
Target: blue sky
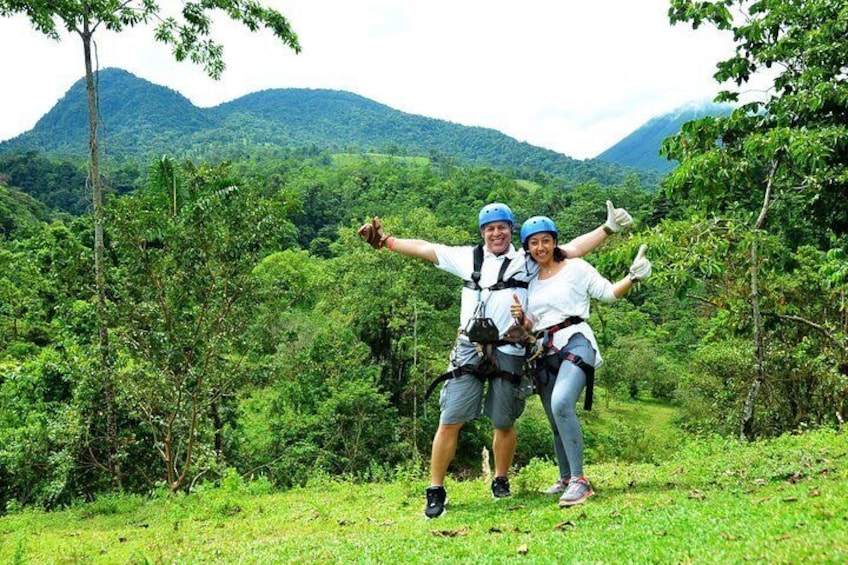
x=574, y=77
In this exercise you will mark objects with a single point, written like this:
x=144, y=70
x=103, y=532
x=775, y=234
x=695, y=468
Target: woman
x=557, y=309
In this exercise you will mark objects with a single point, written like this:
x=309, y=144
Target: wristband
x=608, y=230
x=390, y=242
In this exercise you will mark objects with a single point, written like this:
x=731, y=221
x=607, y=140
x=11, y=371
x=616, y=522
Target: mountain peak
x=641, y=147
x=142, y=120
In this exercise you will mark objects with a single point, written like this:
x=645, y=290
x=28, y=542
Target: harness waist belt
x=465, y=370
x=452, y=374
x=546, y=338
x=570, y=321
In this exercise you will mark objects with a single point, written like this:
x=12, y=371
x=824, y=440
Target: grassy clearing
x=656, y=418
x=353, y=158
x=715, y=501
x=529, y=185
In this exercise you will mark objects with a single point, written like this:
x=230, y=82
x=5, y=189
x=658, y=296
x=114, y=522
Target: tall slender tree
x=189, y=32
x=783, y=155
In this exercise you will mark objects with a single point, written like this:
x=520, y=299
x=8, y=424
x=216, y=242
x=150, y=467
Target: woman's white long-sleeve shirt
x=568, y=293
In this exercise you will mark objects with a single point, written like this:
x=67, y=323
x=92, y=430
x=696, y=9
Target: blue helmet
x=495, y=212
x=537, y=224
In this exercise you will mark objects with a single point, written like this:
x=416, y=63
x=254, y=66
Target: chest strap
x=474, y=283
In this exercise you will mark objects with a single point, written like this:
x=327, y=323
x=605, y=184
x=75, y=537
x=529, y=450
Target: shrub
x=711, y=395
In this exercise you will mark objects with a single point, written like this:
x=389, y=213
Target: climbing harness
x=482, y=330
x=549, y=357
x=483, y=371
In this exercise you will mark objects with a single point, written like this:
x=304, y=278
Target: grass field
x=713, y=501
x=529, y=185
x=348, y=158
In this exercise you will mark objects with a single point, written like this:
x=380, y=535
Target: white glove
x=617, y=219
x=641, y=267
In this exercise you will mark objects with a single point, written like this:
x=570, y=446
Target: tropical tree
x=184, y=296
x=19, y=294
x=773, y=174
x=189, y=34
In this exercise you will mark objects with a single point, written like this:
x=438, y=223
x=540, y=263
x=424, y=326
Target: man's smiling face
x=497, y=236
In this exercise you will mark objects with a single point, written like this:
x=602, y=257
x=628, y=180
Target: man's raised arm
x=372, y=233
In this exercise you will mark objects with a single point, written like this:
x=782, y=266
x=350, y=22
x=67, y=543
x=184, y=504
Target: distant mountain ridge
x=640, y=148
x=142, y=120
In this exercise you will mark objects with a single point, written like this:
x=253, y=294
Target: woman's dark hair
x=559, y=254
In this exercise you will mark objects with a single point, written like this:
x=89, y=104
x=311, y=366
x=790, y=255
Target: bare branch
x=838, y=342
x=705, y=301
x=767, y=196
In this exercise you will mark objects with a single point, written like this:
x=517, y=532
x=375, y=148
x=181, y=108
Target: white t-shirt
x=550, y=301
x=459, y=261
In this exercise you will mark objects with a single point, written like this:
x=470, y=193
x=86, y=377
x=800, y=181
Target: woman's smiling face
x=541, y=247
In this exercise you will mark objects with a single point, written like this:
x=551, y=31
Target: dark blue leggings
x=559, y=397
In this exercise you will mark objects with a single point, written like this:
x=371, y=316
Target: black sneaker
x=500, y=487
x=437, y=498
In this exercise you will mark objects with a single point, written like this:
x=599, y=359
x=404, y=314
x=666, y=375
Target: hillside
x=641, y=148
x=137, y=116
x=143, y=120
x=715, y=501
x=19, y=212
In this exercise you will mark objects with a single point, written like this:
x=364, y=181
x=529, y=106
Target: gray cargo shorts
x=461, y=398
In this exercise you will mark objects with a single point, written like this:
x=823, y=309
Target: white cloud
x=573, y=77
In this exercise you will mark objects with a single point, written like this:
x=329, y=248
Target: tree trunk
x=747, y=426
x=218, y=425
x=99, y=271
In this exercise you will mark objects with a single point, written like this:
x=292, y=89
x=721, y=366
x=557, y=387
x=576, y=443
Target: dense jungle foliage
x=250, y=329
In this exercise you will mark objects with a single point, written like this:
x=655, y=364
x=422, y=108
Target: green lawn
x=714, y=501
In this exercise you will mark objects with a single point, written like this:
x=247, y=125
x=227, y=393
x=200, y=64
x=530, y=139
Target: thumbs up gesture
x=617, y=219
x=641, y=267
x=517, y=333
x=516, y=310
x=372, y=233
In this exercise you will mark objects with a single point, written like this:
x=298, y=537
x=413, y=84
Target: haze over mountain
x=640, y=149
x=142, y=120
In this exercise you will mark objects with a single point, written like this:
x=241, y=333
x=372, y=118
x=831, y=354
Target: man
x=480, y=355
